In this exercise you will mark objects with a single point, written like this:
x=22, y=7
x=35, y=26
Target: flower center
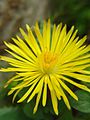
x=47, y=62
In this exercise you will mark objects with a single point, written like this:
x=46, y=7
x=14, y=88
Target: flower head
x=46, y=61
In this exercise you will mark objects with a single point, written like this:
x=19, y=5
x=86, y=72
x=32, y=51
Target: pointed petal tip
x=34, y=111
x=69, y=107
x=6, y=85
x=27, y=27
x=56, y=112
x=8, y=94
x=43, y=105
x=76, y=99
x=88, y=90
x=28, y=101
x=72, y=27
x=19, y=101
x=20, y=29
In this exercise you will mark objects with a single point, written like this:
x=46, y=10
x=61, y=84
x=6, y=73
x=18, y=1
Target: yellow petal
x=31, y=40
x=18, y=57
x=44, y=99
x=27, y=93
x=76, y=84
x=56, y=86
x=44, y=35
x=10, y=80
x=55, y=36
x=49, y=84
x=68, y=90
x=48, y=35
x=38, y=99
x=80, y=77
x=10, y=92
x=65, y=99
x=39, y=36
x=17, y=50
x=61, y=40
x=25, y=48
x=16, y=94
x=67, y=37
x=36, y=90
x=81, y=42
x=54, y=102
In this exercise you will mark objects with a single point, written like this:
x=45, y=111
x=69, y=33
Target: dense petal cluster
x=45, y=61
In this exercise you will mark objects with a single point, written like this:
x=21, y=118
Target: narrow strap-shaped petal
x=84, y=71
x=80, y=77
x=71, y=65
x=38, y=98
x=61, y=40
x=36, y=90
x=10, y=80
x=20, y=85
x=49, y=84
x=15, y=95
x=18, y=57
x=55, y=87
x=67, y=37
x=81, y=86
x=17, y=50
x=31, y=40
x=68, y=89
x=48, y=35
x=54, y=102
x=65, y=98
x=69, y=47
x=13, y=69
x=78, y=52
x=25, y=48
x=44, y=35
x=39, y=36
x=83, y=57
x=11, y=91
x=81, y=41
x=55, y=36
x=71, y=41
x=28, y=92
x=17, y=63
x=44, y=99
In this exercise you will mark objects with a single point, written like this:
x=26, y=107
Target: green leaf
x=11, y=113
x=28, y=110
x=81, y=116
x=67, y=114
x=83, y=104
x=62, y=109
x=64, y=113
x=78, y=118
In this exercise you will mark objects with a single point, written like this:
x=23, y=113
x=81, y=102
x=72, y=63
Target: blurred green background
x=72, y=12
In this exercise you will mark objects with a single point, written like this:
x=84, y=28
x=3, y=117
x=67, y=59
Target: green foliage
x=82, y=116
x=11, y=113
x=83, y=104
x=28, y=110
x=64, y=113
x=72, y=12
x=47, y=113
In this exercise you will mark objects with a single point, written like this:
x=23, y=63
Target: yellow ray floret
x=45, y=61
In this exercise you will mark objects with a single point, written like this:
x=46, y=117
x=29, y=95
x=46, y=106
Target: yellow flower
x=45, y=61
